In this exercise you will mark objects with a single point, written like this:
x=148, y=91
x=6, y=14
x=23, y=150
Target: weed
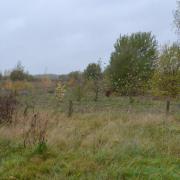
x=36, y=133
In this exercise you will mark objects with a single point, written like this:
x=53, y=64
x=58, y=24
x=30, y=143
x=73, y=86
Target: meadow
x=107, y=139
x=116, y=116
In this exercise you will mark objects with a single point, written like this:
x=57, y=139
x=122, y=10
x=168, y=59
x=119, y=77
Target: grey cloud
x=65, y=35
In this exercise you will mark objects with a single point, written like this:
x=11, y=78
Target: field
x=95, y=93
x=108, y=139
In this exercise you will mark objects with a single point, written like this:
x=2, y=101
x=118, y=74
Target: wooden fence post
x=70, y=108
x=167, y=107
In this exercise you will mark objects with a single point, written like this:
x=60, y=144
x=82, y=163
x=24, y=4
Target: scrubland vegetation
x=120, y=142
x=117, y=122
x=110, y=138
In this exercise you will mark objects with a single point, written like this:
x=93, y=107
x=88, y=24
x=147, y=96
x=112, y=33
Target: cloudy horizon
x=61, y=36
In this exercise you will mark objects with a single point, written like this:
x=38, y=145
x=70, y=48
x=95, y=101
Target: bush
x=18, y=74
x=60, y=92
x=8, y=105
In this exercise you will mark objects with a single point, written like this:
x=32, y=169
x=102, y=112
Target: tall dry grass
x=104, y=145
x=102, y=130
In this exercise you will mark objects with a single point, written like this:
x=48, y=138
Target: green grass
x=43, y=100
x=110, y=139
x=129, y=162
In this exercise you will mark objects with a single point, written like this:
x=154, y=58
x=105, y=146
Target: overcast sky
x=59, y=36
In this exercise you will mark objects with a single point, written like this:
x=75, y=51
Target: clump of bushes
x=18, y=74
x=8, y=106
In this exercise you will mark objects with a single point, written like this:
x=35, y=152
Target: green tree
x=166, y=79
x=76, y=85
x=131, y=63
x=18, y=74
x=93, y=74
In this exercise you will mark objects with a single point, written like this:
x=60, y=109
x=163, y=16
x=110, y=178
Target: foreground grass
x=99, y=145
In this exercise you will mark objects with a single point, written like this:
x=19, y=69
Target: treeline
x=17, y=74
x=137, y=66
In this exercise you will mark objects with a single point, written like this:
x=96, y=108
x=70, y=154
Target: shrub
x=60, y=92
x=18, y=74
x=8, y=105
